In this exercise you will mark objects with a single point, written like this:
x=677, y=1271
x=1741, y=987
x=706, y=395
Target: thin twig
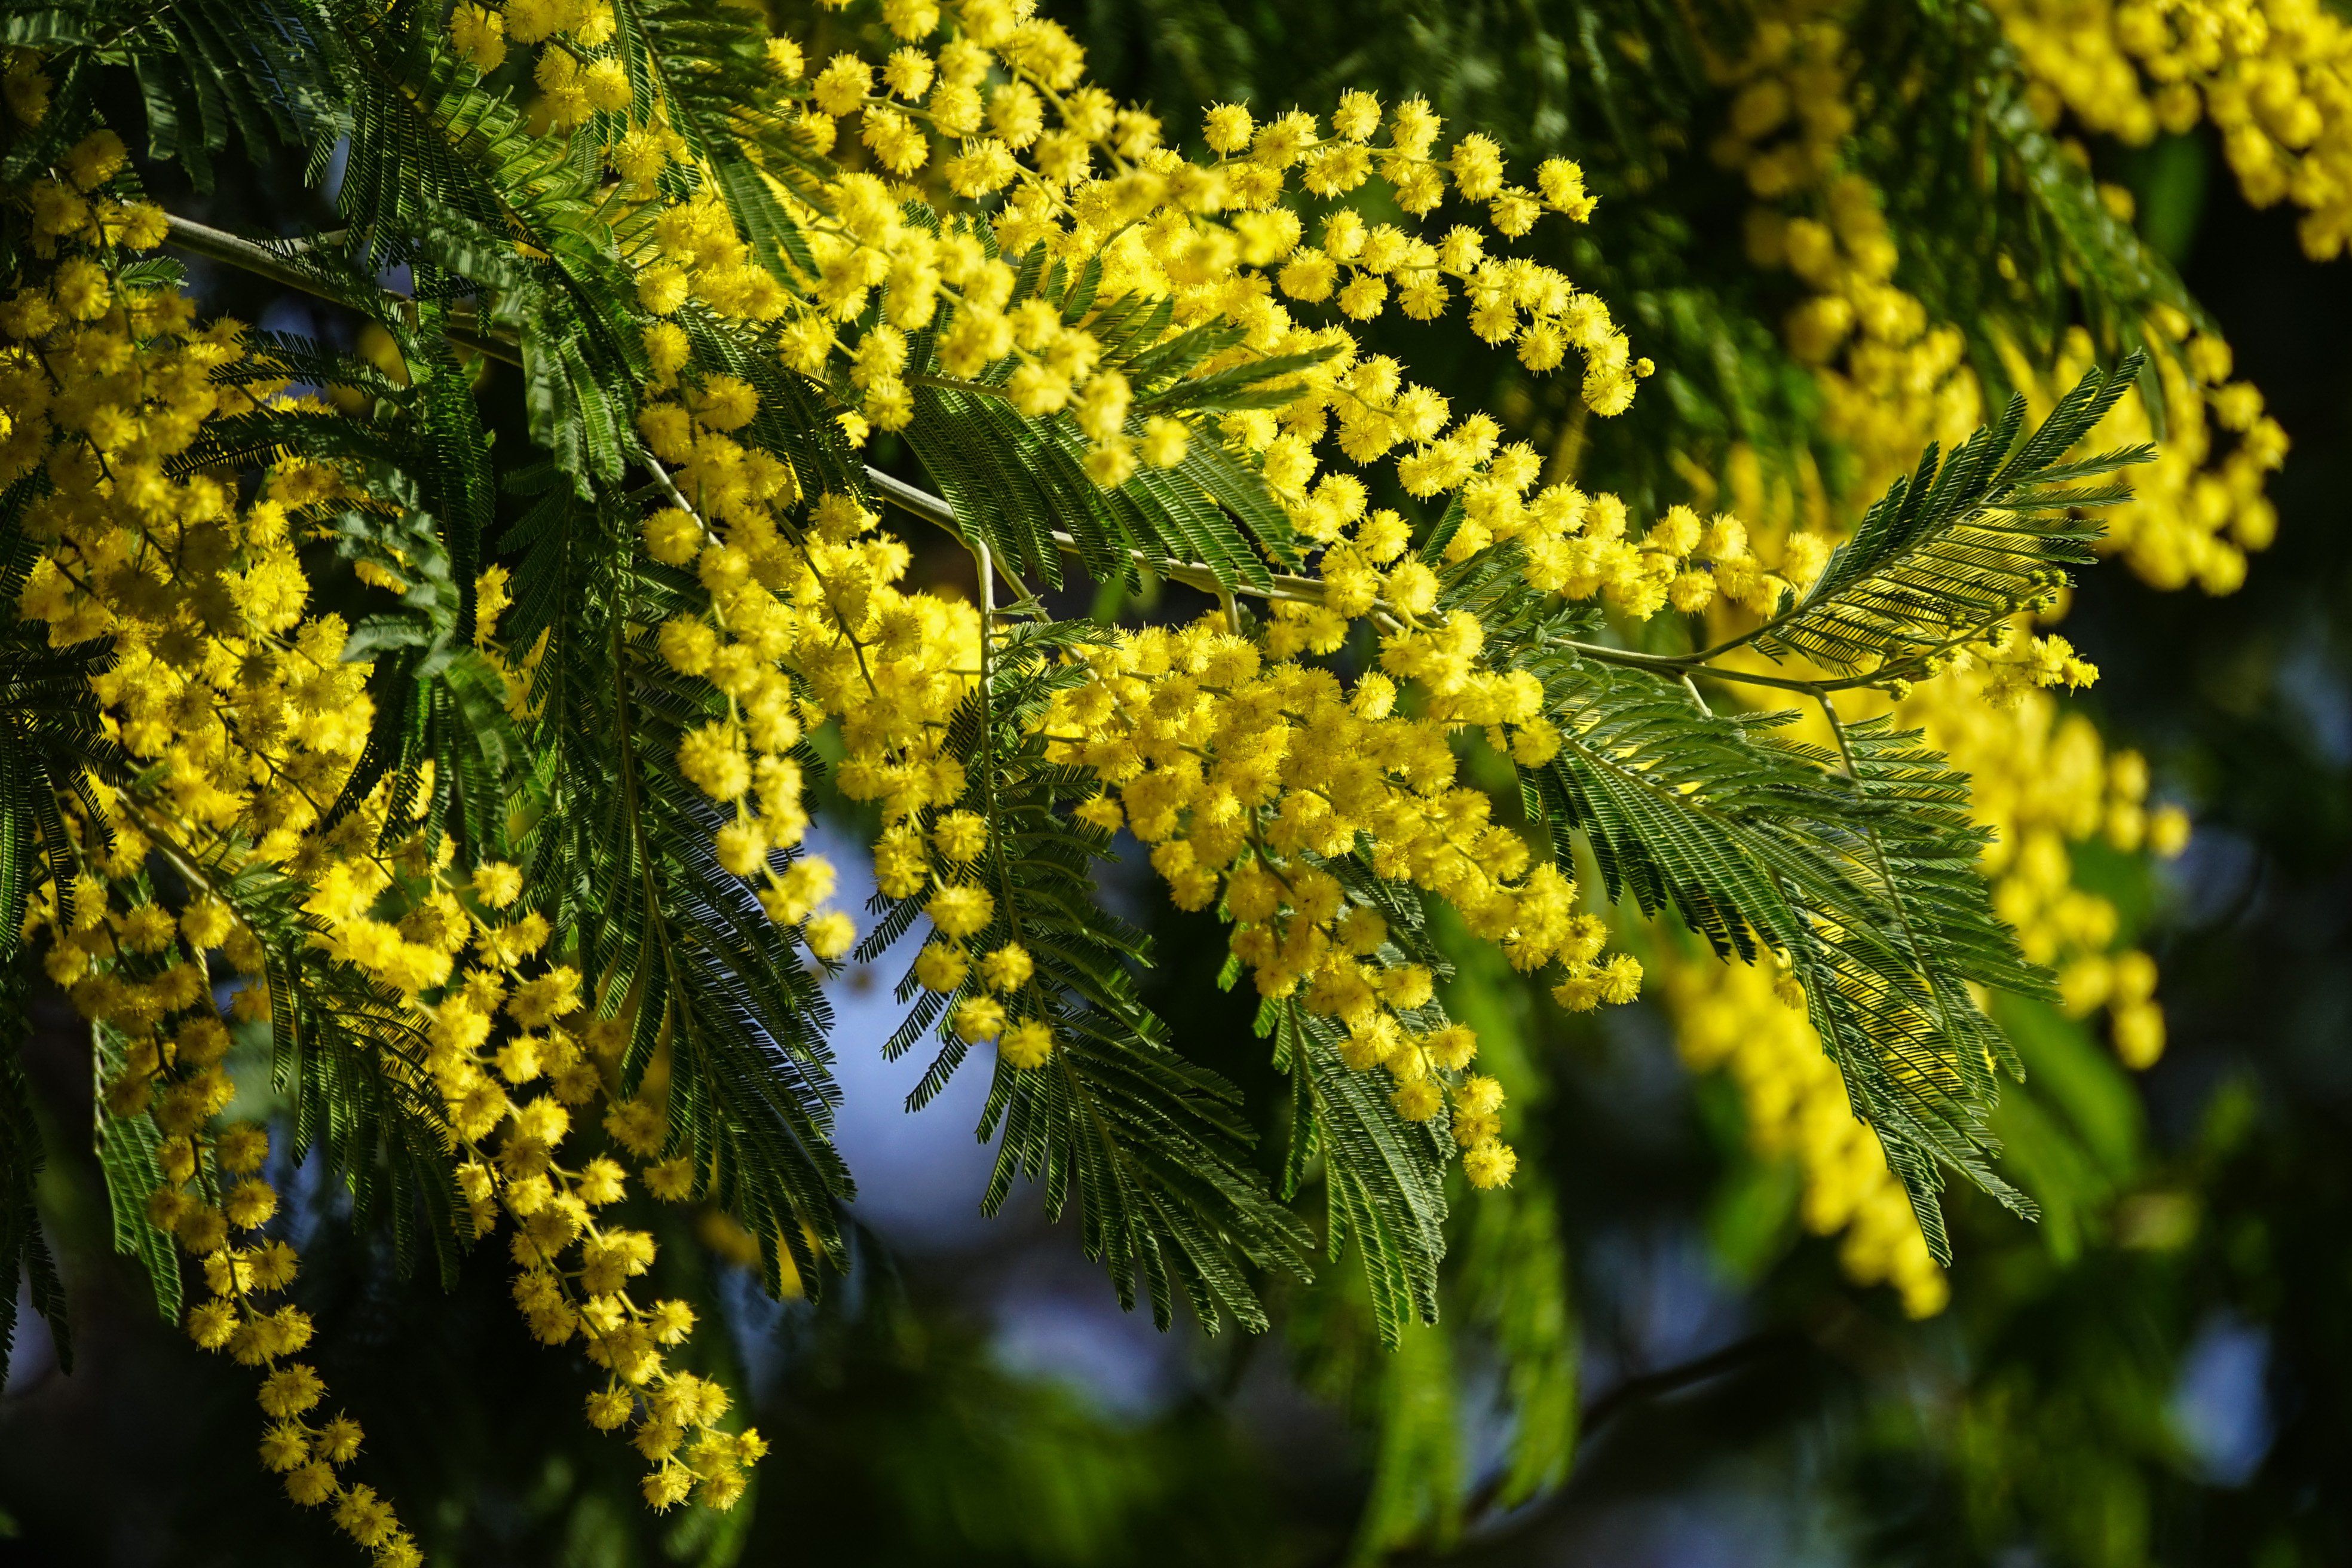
x=1191, y=573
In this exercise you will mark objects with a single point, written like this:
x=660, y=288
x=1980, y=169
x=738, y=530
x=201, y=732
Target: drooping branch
x=263, y=261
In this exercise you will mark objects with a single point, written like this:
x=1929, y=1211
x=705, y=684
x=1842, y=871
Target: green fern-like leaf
x=1960, y=545
x=668, y=940
x=1758, y=846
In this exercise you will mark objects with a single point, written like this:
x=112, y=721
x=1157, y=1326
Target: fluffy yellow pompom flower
x=843, y=85
x=250, y=1204
x=672, y=536
x=478, y=34
x=290, y=1390
x=960, y=910
x=712, y=760
x=1026, y=1046
x=609, y=1409
x=662, y=289
x=1418, y=1100
x=1009, y=968
x=959, y=836
x=940, y=967
x=1165, y=441
x=741, y=846
x=977, y=1019
x=1562, y=180
x=1229, y=128
x=497, y=884
x=829, y=935
x=1489, y=1163
x=606, y=84
x=728, y=403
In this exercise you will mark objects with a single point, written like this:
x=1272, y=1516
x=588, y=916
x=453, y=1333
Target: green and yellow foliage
x=468, y=783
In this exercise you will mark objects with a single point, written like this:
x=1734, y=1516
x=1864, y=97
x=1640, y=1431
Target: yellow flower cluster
x=812, y=609
x=987, y=104
x=2195, y=512
x=803, y=598
x=1244, y=774
x=2043, y=780
x=245, y=719
x=2273, y=77
x=1237, y=762
x=72, y=206
x=1740, y=1020
x=1893, y=381
x=1570, y=543
x=241, y=714
x=572, y=1270
x=140, y=973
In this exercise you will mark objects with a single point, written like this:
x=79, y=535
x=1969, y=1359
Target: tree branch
x=247, y=256
x=260, y=260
